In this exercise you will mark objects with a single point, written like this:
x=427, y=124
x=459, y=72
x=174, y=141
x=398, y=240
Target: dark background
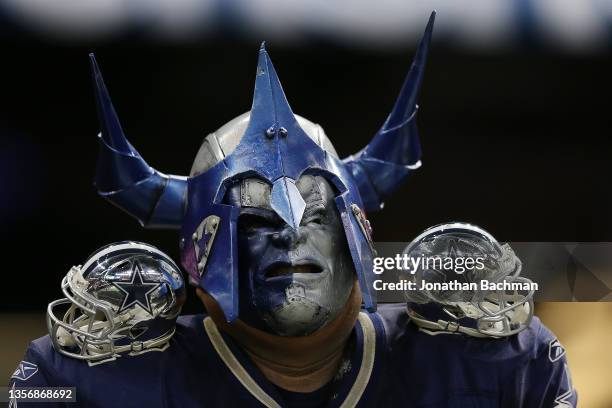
x=517, y=142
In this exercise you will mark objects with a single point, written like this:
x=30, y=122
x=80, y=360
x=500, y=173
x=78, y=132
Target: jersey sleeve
x=32, y=371
x=545, y=380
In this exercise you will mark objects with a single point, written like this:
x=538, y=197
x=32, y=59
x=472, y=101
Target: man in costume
x=275, y=236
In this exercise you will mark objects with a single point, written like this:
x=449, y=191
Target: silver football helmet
x=124, y=299
x=475, y=311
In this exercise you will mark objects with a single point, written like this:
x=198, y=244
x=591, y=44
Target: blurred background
x=514, y=122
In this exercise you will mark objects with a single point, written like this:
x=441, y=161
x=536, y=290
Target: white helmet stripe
x=125, y=245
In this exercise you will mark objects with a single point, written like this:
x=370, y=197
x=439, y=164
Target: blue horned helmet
x=262, y=186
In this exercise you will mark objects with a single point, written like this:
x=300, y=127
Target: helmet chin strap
x=300, y=364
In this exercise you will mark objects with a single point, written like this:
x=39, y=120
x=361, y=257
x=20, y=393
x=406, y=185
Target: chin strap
x=137, y=347
x=443, y=326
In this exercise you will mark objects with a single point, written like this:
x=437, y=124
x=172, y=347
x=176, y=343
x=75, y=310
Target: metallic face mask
x=295, y=281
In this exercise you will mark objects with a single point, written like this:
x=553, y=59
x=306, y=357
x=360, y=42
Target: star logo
x=137, y=291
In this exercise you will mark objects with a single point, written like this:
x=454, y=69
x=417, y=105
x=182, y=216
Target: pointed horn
x=124, y=178
x=406, y=103
x=269, y=101
x=112, y=133
x=395, y=150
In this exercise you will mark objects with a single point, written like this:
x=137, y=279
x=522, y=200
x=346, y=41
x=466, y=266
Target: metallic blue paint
x=383, y=165
x=125, y=179
x=287, y=201
x=273, y=148
x=276, y=149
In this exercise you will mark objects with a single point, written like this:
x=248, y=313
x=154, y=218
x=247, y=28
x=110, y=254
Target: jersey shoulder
x=400, y=333
x=43, y=364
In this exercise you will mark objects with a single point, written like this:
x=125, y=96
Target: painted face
x=291, y=282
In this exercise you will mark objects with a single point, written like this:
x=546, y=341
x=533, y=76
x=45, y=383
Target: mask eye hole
x=251, y=223
x=316, y=216
x=315, y=219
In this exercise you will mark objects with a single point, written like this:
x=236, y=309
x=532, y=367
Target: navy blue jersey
x=390, y=362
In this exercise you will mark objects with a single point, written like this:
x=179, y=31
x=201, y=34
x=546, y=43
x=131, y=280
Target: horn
x=125, y=179
x=270, y=104
x=395, y=151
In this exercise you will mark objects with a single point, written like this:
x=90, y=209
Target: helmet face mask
x=276, y=149
x=84, y=331
x=293, y=281
x=125, y=299
x=481, y=312
x=505, y=313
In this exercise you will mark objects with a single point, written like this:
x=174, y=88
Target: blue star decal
x=137, y=291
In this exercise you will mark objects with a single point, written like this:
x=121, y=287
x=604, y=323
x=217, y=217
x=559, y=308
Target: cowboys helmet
x=125, y=298
x=468, y=307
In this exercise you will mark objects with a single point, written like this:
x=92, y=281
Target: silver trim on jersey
x=352, y=398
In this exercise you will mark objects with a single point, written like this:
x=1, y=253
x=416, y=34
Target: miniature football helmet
x=476, y=311
x=124, y=299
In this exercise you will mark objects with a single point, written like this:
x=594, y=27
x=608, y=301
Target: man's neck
x=299, y=364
